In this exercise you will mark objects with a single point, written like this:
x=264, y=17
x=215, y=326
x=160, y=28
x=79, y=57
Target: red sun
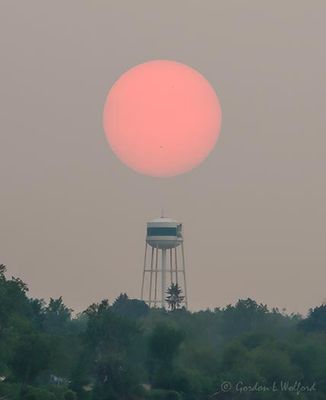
x=162, y=118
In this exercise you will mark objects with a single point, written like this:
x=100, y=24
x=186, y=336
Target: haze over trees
x=125, y=351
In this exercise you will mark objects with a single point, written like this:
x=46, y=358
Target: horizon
x=76, y=313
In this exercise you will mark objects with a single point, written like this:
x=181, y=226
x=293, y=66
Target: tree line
x=126, y=351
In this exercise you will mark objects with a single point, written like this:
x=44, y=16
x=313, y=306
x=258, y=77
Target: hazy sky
x=72, y=217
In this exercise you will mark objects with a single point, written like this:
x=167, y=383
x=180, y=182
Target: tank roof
x=163, y=219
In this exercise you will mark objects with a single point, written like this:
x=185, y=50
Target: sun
x=162, y=118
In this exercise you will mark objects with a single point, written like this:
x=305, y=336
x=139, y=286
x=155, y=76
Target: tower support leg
x=144, y=271
x=163, y=277
x=184, y=276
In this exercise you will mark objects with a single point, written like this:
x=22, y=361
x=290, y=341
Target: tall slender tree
x=174, y=297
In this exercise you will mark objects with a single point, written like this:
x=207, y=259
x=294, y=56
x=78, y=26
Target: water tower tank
x=164, y=233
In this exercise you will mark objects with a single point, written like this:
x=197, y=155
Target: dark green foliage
x=126, y=351
x=316, y=321
x=33, y=393
x=10, y=391
x=108, y=340
x=130, y=308
x=70, y=395
x=160, y=394
x=32, y=356
x=164, y=342
x=56, y=316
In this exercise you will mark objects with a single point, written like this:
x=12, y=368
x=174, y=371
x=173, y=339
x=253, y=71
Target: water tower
x=164, y=261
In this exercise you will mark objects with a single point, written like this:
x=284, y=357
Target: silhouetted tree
x=316, y=320
x=174, y=297
x=131, y=308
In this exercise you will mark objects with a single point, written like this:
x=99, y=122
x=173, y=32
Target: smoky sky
x=73, y=217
